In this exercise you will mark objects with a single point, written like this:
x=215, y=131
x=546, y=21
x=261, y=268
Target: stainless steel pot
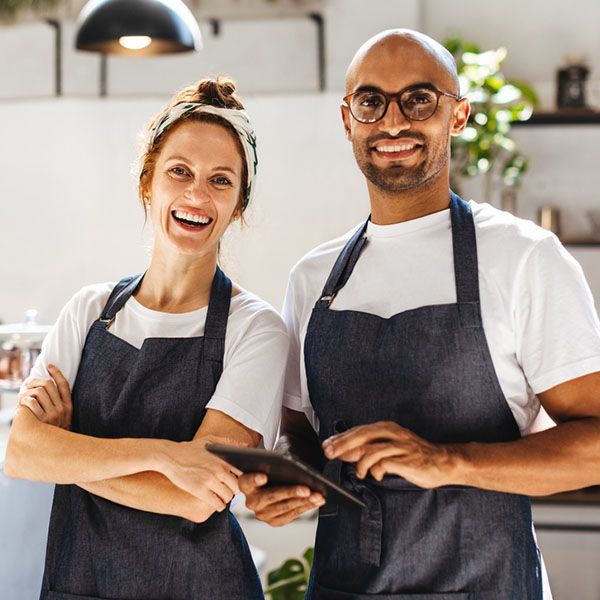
x=20, y=345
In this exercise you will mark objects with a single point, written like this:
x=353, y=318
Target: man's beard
x=398, y=178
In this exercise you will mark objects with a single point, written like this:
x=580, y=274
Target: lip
x=191, y=228
x=400, y=155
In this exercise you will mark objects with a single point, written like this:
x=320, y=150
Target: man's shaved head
x=402, y=48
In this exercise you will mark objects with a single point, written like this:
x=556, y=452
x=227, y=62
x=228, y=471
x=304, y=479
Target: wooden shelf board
x=561, y=117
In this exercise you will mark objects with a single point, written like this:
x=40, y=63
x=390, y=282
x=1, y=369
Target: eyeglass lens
x=417, y=104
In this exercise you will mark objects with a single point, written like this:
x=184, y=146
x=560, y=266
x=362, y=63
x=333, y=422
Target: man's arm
x=280, y=505
x=562, y=458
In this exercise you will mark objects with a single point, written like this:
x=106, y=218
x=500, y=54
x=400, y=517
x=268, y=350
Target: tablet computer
x=283, y=468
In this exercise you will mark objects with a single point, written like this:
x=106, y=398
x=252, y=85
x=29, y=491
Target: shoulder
x=251, y=313
x=316, y=265
x=89, y=300
x=494, y=226
x=506, y=239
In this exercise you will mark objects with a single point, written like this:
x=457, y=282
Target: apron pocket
x=323, y=593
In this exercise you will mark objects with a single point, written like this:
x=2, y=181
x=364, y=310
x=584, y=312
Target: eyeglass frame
x=396, y=97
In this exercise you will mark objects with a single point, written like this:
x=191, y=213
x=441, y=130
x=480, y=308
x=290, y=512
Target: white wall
x=69, y=213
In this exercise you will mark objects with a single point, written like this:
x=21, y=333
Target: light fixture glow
x=135, y=42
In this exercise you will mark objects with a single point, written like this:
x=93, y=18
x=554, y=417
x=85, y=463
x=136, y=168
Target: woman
x=159, y=365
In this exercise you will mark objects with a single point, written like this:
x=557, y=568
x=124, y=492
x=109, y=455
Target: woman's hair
x=213, y=91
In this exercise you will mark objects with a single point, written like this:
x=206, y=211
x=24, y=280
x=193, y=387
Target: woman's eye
x=222, y=181
x=178, y=171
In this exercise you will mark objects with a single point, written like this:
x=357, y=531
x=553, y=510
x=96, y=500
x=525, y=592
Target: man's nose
x=394, y=120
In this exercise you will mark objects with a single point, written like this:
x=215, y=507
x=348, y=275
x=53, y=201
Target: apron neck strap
x=216, y=316
x=120, y=294
x=344, y=265
x=464, y=246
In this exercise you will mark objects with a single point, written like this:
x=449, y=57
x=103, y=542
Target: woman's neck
x=177, y=284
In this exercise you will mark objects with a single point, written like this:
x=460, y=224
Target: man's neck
x=395, y=207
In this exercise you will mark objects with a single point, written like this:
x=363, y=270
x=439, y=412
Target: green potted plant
x=10, y=9
x=289, y=581
x=485, y=147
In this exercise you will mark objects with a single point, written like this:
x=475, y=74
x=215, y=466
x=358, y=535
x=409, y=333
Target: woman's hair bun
x=215, y=91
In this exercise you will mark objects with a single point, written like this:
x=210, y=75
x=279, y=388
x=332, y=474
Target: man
x=423, y=344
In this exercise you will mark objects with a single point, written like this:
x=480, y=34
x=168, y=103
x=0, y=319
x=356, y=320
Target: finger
x=354, y=455
x=249, y=482
x=288, y=517
x=33, y=405
x=230, y=480
x=49, y=386
x=261, y=499
x=374, y=454
x=278, y=510
x=213, y=501
x=386, y=466
x=222, y=491
x=50, y=411
x=359, y=436
x=61, y=383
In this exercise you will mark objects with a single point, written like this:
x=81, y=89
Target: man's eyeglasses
x=416, y=103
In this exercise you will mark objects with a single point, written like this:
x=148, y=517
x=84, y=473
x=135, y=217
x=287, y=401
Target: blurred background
x=69, y=214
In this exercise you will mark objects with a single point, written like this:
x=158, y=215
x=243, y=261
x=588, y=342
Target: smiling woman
x=136, y=377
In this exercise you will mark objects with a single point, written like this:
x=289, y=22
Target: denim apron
x=98, y=549
x=429, y=370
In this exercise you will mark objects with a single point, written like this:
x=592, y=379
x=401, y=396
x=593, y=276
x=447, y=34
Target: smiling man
x=424, y=343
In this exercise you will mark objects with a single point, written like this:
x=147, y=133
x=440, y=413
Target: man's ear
x=346, y=120
x=460, y=116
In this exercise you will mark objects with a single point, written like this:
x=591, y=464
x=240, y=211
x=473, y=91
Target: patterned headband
x=239, y=120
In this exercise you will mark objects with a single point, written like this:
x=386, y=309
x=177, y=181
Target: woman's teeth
x=190, y=219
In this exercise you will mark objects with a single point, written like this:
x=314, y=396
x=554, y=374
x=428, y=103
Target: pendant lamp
x=137, y=27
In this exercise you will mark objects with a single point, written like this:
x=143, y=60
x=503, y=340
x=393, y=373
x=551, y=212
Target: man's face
x=396, y=154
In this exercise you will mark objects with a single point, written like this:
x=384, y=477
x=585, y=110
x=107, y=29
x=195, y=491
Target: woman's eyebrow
x=217, y=168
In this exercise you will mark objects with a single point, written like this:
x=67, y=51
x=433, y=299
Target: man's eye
x=419, y=98
x=370, y=100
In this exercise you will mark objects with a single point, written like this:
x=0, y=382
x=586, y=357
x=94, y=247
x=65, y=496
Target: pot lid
x=28, y=332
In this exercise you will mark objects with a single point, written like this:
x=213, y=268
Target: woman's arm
x=154, y=492
x=43, y=452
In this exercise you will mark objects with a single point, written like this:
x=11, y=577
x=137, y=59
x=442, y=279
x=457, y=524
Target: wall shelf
x=561, y=117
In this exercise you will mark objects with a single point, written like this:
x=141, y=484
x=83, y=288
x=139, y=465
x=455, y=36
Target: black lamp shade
x=169, y=23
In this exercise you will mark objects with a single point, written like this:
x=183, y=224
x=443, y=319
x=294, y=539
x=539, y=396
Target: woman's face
x=195, y=188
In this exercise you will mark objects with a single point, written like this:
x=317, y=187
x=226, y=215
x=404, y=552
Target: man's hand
x=277, y=506
x=49, y=399
x=387, y=448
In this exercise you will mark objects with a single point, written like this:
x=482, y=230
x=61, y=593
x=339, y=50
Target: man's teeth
x=395, y=148
x=190, y=218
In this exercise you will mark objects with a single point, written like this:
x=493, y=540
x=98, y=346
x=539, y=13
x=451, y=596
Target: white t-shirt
x=537, y=309
x=256, y=343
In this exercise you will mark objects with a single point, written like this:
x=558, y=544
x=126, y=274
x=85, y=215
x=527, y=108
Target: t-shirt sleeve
x=557, y=327
x=295, y=395
x=250, y=389
x=64, y=343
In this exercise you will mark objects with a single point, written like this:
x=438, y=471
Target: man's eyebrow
x=413, y=86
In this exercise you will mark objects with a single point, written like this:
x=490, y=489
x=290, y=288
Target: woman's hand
x=386, y=448
x=49, y=399
x=194, y=469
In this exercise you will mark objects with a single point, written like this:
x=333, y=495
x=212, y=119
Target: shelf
x=561, y=117
x=582, y=243
x=589, y=495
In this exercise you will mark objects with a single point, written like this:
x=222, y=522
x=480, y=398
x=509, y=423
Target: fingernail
x=260, y=479
x=50, y=367
x=320, y=502
x=303, y=492
x=317, y=499
x=329, y=453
